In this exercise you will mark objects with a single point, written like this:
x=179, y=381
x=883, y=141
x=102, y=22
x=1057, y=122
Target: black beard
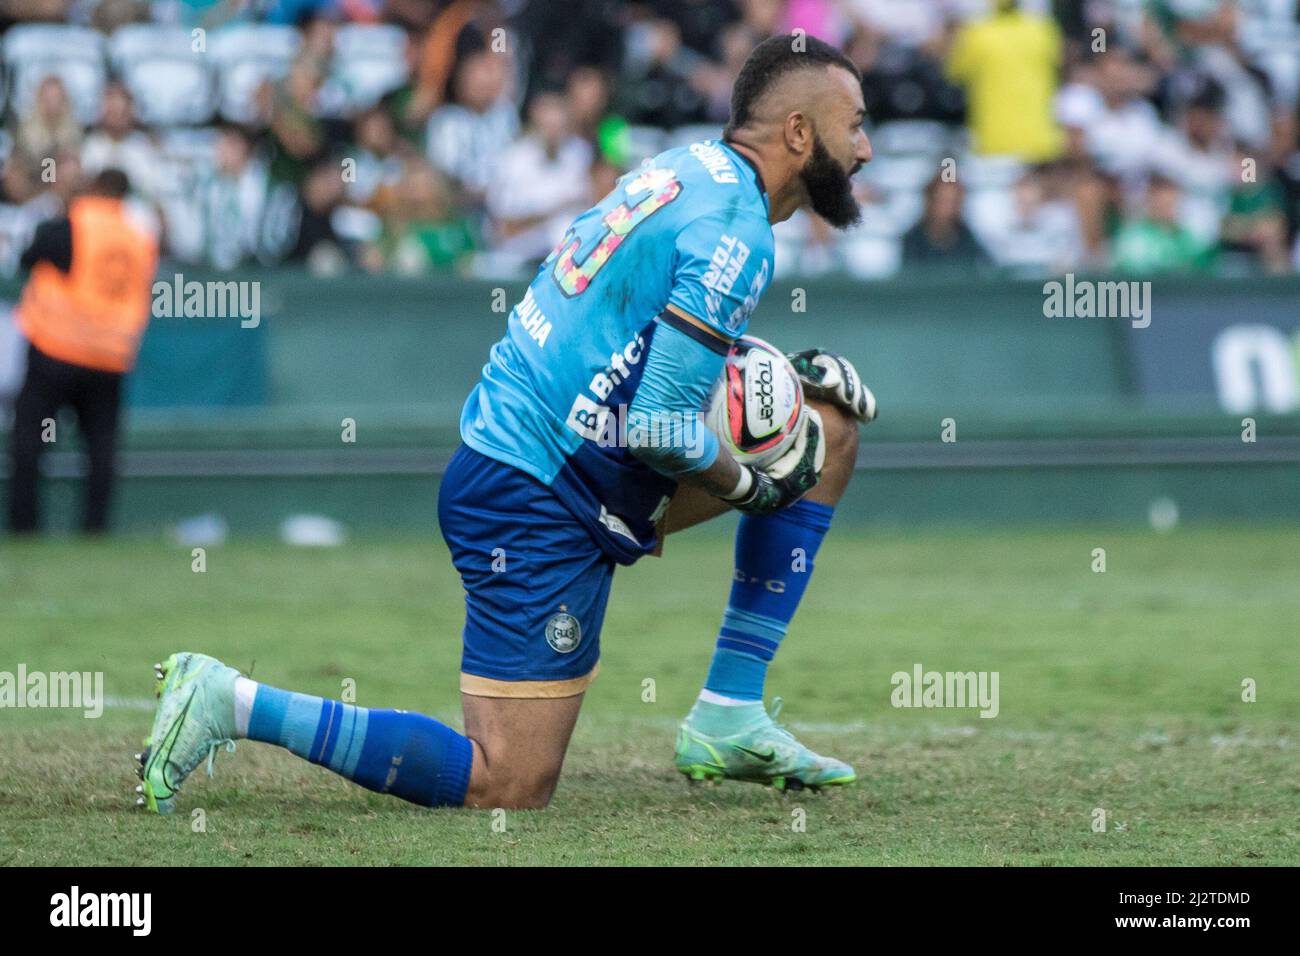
x=830, y=188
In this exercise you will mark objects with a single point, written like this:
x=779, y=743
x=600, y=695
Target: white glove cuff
x=744, y=485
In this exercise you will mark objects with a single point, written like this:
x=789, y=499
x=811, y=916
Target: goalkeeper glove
x=789, y=478
x=832, y=378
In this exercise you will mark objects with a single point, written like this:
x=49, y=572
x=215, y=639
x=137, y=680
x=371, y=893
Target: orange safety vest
x=94, y=314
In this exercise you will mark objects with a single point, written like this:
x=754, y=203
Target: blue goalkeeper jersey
x=688, y=228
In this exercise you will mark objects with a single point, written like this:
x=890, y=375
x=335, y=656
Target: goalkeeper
x=637, y=306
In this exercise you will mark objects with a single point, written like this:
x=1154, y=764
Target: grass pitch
x=1119, y=691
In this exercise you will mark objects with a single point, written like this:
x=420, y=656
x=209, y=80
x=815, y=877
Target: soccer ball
x=757, y=405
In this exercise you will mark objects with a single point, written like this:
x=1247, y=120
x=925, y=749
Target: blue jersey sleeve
x=722, y=264
x=665, y=413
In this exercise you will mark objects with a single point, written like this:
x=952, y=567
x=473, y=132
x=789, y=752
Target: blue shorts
x=536, y=583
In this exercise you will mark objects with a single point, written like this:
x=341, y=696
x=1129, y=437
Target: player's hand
x=832, y=378
x=790, y=477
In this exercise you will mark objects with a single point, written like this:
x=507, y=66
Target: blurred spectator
x=1098, y=198
x=401, y=104
x=942, y=237
x=658, y=85
x=465, y=136
x=1008, y=63
x=1157, y=242
x=1190, y=37
x=1198, y=156
x=1043, y=235
x=423, y=230
x=378, y=159
x=317, y=245
x=50, y=128
x=25, y=203
x=1284, y=157
x=540, y=184
x=303, y=113
x=119, y=144
x=328, y=98
x=698, y=22
x=296, y=134
x=713, y=80
x=1105, y=111
x=900, y=81
x=240, y=215
x=587, y=93
x=1256, y=218
x=567, y=38
x=463, y=28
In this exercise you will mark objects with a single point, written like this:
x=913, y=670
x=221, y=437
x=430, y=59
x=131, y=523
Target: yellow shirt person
x=1008, y=63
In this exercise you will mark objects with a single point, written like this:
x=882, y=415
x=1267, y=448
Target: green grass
x=1119, y=691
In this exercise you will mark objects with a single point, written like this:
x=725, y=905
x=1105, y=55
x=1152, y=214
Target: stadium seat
x=171, y=83
x=369, y=61
x=74, y=54
x=908, y=173
x=896, y=212
x=989, y=213
x=244, y=55
x=871, y=257
x=989, y=172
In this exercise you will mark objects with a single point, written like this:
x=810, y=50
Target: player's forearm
x=721, y=479
x=665, y=428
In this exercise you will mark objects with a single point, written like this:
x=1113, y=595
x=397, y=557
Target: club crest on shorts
x=563, y=632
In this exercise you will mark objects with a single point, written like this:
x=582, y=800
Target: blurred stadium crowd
x=1028, y=138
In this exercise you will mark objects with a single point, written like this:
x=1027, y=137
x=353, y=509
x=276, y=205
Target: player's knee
x=840, y=433
x=501, y=785
x=517, y=793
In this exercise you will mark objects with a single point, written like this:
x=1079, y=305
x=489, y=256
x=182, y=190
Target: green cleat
x=758, y=751
x=195, y=716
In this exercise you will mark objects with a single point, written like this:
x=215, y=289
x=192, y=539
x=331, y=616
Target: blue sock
x=774, y=560
x=389, y=751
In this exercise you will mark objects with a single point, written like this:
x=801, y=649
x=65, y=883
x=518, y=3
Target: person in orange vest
x=83, y=312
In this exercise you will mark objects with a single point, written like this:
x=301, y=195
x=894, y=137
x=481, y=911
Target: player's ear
x=798, y=133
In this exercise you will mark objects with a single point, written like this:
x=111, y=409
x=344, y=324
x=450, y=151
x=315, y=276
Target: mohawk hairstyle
x=772, y=60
